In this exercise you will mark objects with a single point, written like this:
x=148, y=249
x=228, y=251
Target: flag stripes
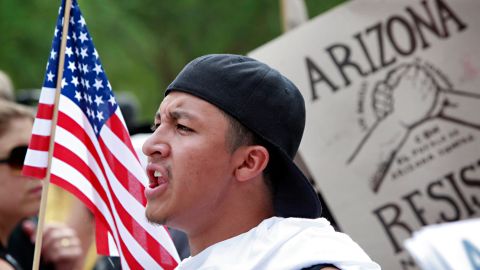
x=72, y=136
x=73, y=143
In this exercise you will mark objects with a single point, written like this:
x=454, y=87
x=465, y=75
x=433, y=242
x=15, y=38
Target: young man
x=221, y=170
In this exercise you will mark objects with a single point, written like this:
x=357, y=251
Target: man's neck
x=242, y=210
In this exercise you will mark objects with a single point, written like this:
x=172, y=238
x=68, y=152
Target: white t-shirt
x=283, y=243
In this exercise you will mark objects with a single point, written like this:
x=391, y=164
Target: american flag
x=93, y=156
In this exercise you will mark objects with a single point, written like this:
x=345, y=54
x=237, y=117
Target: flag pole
x=283, y=16
x=46, y=182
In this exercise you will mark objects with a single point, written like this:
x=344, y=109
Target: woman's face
x=19, y=195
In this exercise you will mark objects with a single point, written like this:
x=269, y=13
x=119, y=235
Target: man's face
x=190, y=167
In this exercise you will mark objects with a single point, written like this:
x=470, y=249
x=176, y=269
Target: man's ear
x=251, y=160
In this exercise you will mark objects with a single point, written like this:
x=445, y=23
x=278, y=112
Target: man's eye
x=184, y=128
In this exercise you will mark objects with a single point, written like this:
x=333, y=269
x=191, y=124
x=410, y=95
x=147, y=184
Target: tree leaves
x=142, y=44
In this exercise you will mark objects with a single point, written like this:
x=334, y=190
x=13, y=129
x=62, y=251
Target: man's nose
x=156, y=145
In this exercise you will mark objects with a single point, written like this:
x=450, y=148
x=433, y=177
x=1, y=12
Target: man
x=221, y=170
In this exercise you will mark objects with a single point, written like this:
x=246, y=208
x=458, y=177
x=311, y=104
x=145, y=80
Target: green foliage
x=142, y=44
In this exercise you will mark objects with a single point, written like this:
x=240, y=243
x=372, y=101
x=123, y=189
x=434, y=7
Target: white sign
x=454, y=245
x=392, y=91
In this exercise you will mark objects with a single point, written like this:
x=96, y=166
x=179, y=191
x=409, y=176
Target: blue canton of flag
x=84, y=80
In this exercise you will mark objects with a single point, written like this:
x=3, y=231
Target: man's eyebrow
x=176, y=114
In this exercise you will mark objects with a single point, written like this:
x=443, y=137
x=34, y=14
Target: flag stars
x=83, y=73
x=98, y=84
x=99, y=115
x=53, y=54
x=85, y=68
x=83, y=52
x=50, y=76
x=83, y=37
x=98, y=100
x=71, y=66
x=64, y=83
x=111, y=100
x=68, y=51
x=87, y=85
x=78, y=95
x=98, y=68
x=88, y=112
x=75, y=81
x=82, y=21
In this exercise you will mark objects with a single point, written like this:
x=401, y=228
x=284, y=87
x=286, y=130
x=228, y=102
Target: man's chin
x=155, y=218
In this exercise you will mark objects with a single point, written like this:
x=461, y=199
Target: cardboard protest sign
x=392, y=91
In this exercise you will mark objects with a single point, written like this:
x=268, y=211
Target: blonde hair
x=10, y=111
x=6, y=87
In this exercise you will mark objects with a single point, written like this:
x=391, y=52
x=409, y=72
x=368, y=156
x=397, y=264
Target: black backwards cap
x=270, y=106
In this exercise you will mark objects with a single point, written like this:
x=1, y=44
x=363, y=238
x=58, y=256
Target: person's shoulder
x=302, y=223
x=297, y=221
